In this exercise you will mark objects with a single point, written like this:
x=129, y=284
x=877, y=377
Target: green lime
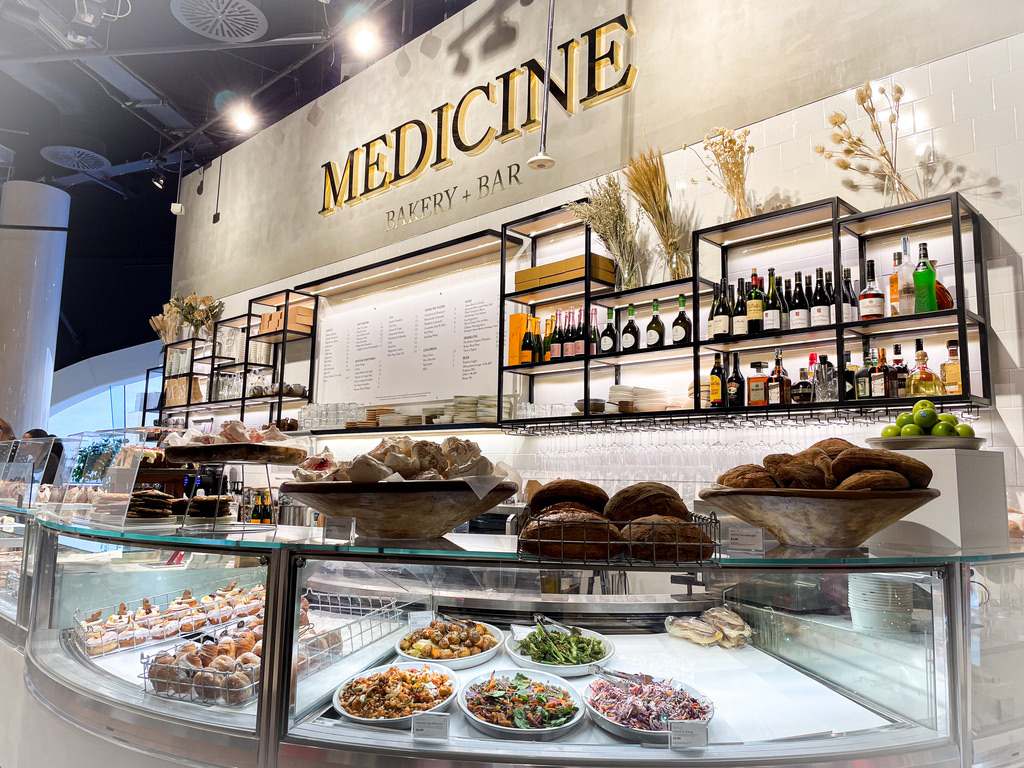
x=943, y=429
x=903, y=419
x=923, y=404
x=891, y=431
x=949, y=417
x=965, y=430
x=926, y=418
x=911, y=430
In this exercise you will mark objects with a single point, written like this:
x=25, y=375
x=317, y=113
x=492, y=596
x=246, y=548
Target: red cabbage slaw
x=646, y=707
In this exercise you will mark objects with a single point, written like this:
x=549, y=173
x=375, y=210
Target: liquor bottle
x=757, y=385
x=906, y=280
x=609, y=336
x=556, y=336
x=783, y=302
x=722, y=320
x=949, y=371
x=711, y=313
x=630, y=333
x=526, y=347
x=831, y=294
x=802, y=390
x=755, y=306
x=924, y=282
x=871, y=301
x=894, y=284
x=883, y=378
x=849, y=374
x=862, y=379
x=739, y=311
x=825, y=382
x=799, y=308
x=580, y=337
x=736, y=386
x=778, y=383
x=718, y=383
x=772, y=317
x=922, y=380
x=655, y=328
x=682, y=328
x=820, y=314
x=900, y=369
x=850, y=311
x=593, y=331
x=547, y=339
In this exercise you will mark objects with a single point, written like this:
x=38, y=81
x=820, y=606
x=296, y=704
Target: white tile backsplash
x=1010, y=160
x=1008, y=89
x=995, y=128
x=972, y=100
x=934, y=111
x=954, y=139
x=988, y=60
x=948, y=73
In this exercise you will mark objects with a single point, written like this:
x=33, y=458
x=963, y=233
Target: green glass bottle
x=924, y=283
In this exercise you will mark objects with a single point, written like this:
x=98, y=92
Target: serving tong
x=619, y=679
x=540, y=619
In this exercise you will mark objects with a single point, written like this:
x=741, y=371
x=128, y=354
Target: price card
x=430, y=726
x=687, y=734
x=746, y=538
x=519, y=632
x=420, y=619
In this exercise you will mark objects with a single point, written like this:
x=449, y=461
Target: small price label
x=519, y=632
x=687, y=734
x=420, y=619
x=746, y=538
x=431, y=726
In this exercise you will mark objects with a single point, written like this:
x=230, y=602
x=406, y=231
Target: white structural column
x=31, y=274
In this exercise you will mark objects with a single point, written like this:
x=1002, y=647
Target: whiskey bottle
x=922, y=381
x=779, y=384
x=949, y=371
x=883, y=378
x=757, y=385
x=849, y=380
x=894, y=284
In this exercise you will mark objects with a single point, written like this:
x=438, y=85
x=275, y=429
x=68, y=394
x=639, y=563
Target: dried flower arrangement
x=199, y=312
x=167, y=324
x=607, y=216
x=854, y=153
x=727, y=159
x=647, y=181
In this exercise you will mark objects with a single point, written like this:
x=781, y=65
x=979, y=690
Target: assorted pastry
x=832, y=464
x=410, y=459
x=237, y=432
x=146, y=457
x=716, y=626
x=157, y=504
x=574, y=520
x=448, y=640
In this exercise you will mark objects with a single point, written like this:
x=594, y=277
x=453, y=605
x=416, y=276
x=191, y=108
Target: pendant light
x=542, y=161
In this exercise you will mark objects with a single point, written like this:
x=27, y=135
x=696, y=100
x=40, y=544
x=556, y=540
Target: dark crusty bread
x=569, y=490
x=874, y=479
x=821, y=460
x=775, y=460
x=796, y=474
x=563, y=506
x=643, y=499
x=747, y=476
x=667, y=539
x=833, y=446
x=572, y=535
x=854, y=460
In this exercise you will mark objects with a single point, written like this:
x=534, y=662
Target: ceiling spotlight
x=159, y=180
x=365, y=41
x=244, y=120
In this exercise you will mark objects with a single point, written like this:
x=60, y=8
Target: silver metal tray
x=523, y=734
x=635, y=734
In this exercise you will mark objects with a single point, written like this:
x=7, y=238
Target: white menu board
x=431, y=341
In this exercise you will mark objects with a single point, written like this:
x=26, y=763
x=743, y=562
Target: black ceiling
x=121, y=236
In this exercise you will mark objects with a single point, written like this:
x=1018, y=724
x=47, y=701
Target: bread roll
x=572, y=535
x=796, y=474
x=747, y=476
x=206, y=686
x=569, y=490
x=645, y=499
x=874, y=479
x=852, y=460
x=223, y=664
x=667, y=539
x=833, y=446
x=238, y=688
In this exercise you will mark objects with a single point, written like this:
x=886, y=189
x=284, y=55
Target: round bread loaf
x=667, y=539
x=853, y=460
x=796, y=474
x=569, y=490
x=747, y=476
x=644, y=499
x=572, y=535
x=874, y=479
x=833, y=446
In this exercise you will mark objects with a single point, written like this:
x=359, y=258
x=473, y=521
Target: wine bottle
x=800, y=308
x=556, y=336
x=772, y=317
x=593, y=331
x=757, y=385
x=630, y=333
x=831, y=294
x=899, y=367
x=655, y=328
x=783, y=302
x=739, y=311
x=711, y=313
x=755, y=306
x=779, y=385
x=820, y=314
x=718, y=383
x=849, y=298
x=736, y=386
x=722, y=319
x=580, y=337
x=569, y=333
x=609, y=336
x=924, y=282
x=788, y=295
x=682, y=328
x=871, y=299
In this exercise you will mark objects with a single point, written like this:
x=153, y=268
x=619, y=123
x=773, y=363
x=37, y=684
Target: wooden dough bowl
x=806, y=518
x=253, y=453
x=415, y=509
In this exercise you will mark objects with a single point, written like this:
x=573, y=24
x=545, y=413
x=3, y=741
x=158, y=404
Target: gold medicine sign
x=392, y=159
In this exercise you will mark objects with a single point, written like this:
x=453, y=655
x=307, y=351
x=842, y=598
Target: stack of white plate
x=465, y=408
x=619, y=393
x=487, y=408
x=431, y=412
x=394, y=420
x=880, y=603
x=649, y=399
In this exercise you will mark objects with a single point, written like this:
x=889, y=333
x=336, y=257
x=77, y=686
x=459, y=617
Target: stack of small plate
x=880, y=603
x=619, y=393
x=649, y=399
x=487, y=408
x=373, y=415
x=466, y=408
x=431, y=412
x=394, y=420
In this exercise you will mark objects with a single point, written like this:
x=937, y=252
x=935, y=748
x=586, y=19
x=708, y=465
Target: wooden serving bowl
x=251, y=453
x=414, y=509
x=806, y=518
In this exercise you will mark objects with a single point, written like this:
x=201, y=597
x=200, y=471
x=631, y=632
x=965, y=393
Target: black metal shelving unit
x=829, y=219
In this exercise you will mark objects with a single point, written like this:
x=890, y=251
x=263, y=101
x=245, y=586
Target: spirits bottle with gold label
x=949, y=371
x=922, y=381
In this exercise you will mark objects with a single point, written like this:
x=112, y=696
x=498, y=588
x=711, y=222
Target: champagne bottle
x=580, y=337
x=800, y=308
x=609, y=336
x=593, y=331
x=772, y=317
x=819, y=302
x=682, y=328
x=630, y=333
x=556, y=336
x=547, y=339
x=526, y=347
x=655, y=328
x=538, y=342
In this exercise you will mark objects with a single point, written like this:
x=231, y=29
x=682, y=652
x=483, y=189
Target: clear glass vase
x=679, y=265
x=626, y=278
